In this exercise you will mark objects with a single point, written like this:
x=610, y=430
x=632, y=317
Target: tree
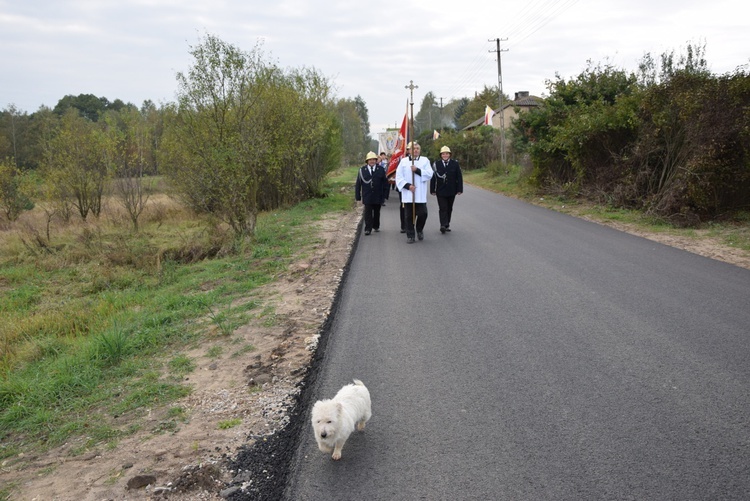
x=355, y=142
x=17, y=140
x=459, y=112
x=154, y=117
x=13, y=115
x=428, y=117
x=13, y=190
x=475, y=108
x=77, y=160
x=128, y=141
x=305, y=138
x=364, y=119
x=246, y=136
x=88, y=105
x=216, y=142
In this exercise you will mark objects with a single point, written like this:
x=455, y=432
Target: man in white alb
x=413, y=180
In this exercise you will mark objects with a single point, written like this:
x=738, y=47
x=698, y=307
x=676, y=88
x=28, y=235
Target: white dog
x=333, y=420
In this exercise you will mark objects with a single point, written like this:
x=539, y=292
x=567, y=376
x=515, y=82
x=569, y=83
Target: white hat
x=371, y=155
x=445, y=149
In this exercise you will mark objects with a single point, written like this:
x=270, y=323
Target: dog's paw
x=336, y=455
x=361, y=425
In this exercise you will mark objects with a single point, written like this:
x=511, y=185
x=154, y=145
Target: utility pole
x=441, y=113
x=500, y=93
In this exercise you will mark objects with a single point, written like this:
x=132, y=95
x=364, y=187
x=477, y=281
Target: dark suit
x=372, y=189
x=446, y=183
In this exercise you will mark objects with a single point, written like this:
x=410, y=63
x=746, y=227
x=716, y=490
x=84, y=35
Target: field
x=126, y=354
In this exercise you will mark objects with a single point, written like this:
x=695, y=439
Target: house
x=522, y=102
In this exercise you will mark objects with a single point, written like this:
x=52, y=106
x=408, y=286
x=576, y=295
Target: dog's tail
x=358, y=382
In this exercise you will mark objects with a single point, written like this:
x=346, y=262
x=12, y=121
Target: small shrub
x=229, y=423
x=110, y=347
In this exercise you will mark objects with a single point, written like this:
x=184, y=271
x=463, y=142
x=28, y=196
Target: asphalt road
x=530, y=355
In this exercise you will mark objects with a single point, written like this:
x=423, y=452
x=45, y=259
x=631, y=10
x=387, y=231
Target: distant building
x=522, y=102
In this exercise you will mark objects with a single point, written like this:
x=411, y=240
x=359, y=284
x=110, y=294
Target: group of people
x=414, y=177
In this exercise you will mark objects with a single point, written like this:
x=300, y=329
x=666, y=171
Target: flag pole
x=411, y=88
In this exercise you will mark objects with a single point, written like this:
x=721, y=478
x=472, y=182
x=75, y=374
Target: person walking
x=383, y=162
x=371, y=189
x=412, y=179
x=392, y=181
x=446, y=184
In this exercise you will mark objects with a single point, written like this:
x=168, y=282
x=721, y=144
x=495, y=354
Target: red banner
x=398, y=150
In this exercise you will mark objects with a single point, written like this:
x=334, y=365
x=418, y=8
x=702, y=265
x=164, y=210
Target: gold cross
x=411, y=88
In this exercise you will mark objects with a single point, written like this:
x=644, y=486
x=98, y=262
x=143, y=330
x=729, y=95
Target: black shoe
x=442, y=229
x=367, y=232
x=376, y=230
x=420, y=235
x=447, y=228
x=410, y=240
x=403, y=230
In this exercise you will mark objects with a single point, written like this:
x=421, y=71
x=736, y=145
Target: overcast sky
x=132, y=49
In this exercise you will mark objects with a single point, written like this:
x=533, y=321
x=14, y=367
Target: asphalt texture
x=530, y=355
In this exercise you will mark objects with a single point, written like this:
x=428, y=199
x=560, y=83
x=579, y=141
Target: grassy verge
x=95, y=321
x=733, y=232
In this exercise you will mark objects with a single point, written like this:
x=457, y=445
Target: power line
x=477, y=64
x=536, y=25
x=534, y=16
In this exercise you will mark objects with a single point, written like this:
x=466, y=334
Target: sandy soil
x=189, y=462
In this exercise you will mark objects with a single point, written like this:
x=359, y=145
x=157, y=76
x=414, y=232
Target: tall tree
x=459, y=111
x=364, y=118
x=10, y=118
x=428, y=116
x=245, y=135
x=128, y=139
x=13, y=190
x=77, y=161
x=88, y=105
x=355, y=141
x=216, y=143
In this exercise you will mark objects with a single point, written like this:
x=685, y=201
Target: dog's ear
x=339, y=409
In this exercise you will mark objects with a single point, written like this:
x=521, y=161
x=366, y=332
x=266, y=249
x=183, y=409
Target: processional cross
x=411, y=88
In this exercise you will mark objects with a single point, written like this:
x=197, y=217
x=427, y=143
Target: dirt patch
x=196, y=458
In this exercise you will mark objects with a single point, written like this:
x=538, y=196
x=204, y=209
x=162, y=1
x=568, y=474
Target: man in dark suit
x=371, y=189
x=446, y=184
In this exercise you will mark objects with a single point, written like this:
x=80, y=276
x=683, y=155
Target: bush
x=474, y=149
x=13, y=191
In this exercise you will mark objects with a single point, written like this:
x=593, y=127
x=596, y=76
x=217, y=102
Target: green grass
x=215, y=351
x=6, y=491
x=94, y=332
x=229, y=423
